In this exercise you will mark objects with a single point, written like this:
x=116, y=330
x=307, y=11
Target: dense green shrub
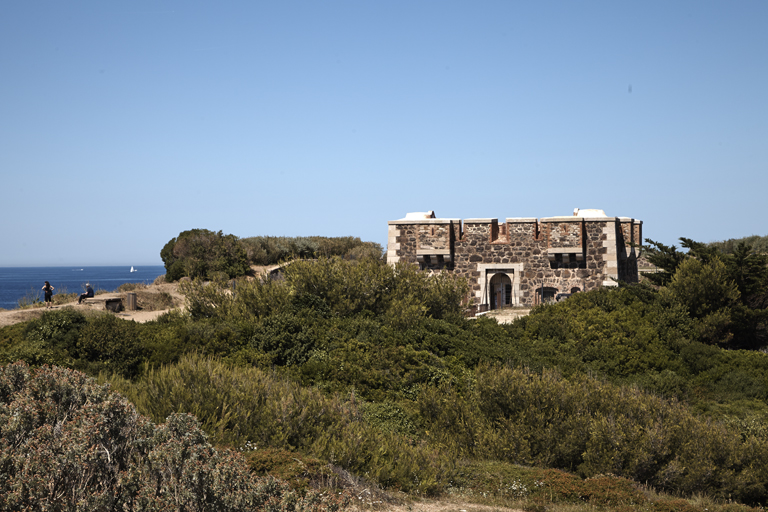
x=298, y=471
x=287, y=338
x=110, y=344
x=640, y=336
x=705, y=284
x=10, y=335
x=239, y=406
x=203, y=253
x=730, y=246
x=708, y=295
x=585, y=425
x=406, y=391
x=578, y=424
x=616, y=333
x=400, y=292
x=244, y=300
x=333, y=286
x=269, y=250
x=69, y=444
x=56, y=326
x=50, y=339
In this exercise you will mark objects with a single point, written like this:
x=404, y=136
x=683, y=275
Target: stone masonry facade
x=521, y=261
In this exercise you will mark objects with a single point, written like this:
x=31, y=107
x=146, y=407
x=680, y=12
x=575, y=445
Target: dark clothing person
x=88, y=293
x=48, y=290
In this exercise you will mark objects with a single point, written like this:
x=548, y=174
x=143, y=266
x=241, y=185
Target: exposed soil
x=433, y=506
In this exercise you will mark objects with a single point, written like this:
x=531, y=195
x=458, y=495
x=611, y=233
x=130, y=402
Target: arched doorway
x=500, y=291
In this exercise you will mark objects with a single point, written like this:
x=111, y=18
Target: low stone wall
x=508, y=315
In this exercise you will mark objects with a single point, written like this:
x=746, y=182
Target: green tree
x=747, y=268
x=664, y=257
x=200, y=253
x=709, y=294
x=750, y=272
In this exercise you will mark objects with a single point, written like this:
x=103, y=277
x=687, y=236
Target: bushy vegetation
x=593, y=428
x=67, y=443
x=269, y=250
x=726, y=291
x=200, y=253
x=758, y=243
x=373, y=368
x=257, y=409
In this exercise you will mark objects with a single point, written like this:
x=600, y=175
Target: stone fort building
x=523, y=260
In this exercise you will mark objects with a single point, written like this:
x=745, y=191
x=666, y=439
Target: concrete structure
x=522, y=260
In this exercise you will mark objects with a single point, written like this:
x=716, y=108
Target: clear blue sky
x=123, y=123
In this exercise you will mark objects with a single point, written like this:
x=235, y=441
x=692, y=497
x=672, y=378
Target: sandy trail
x=14, y=316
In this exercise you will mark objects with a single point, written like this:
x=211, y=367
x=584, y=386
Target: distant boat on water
x=133, y=269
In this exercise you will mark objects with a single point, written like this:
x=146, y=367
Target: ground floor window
x=547, y=294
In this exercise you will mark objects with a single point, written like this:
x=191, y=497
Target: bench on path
x=114, y=304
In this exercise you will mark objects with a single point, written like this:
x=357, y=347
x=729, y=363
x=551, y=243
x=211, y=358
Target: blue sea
x=23, y=282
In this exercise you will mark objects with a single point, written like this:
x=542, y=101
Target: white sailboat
x=133, y=269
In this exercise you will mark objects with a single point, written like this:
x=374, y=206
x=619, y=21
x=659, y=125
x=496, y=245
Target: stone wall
x=434, y=236
x=428, y=243
x=562, y=253
x=565, y=234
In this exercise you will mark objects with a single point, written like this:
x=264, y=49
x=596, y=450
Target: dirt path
x=141, y=315
x=434, y=506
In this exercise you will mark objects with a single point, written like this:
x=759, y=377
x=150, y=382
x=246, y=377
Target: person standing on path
x=48, y=290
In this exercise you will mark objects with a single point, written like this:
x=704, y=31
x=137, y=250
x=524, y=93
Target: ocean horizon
x=18, y=283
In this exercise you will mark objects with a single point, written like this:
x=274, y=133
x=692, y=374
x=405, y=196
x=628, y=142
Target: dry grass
x=15, y=316
x=131, y=287
x=156, y=297
x=151, y=301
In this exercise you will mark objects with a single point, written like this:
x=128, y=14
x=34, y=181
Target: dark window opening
x=434, y=263
x=548, y=294
x=566, y=261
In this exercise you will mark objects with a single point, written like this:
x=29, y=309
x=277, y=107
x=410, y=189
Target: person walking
x=48, y=291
